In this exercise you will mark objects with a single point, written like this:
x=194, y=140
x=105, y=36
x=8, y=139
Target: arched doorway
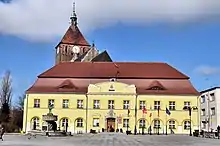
x=35, y=123
x=64, y=123
x=110, y=124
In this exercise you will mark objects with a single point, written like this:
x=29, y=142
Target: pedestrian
x=2, y=131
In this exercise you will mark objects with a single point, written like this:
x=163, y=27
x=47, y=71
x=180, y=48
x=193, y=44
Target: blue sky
x=192, y=48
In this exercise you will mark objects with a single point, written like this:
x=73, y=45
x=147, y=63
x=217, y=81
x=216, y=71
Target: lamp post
x=190, y=116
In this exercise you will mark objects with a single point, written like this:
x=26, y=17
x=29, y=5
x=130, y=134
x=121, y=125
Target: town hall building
x=87, y=91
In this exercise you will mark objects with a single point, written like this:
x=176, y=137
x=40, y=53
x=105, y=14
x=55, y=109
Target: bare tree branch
x=6, y=89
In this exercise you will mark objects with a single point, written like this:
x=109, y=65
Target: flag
x=144, y=110
x=168, y=111
x=150, y=115
x=128, y=112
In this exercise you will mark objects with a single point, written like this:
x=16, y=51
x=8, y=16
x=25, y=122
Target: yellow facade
x=83, y=119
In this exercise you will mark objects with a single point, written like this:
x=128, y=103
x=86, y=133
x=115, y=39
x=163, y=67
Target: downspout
x=86, y=112
x=26, y=114
x=135, y=127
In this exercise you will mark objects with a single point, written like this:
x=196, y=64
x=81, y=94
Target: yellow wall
x=101, y=92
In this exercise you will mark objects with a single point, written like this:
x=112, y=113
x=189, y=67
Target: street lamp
x=190, y=116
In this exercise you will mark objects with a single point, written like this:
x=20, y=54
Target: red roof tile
x=127, y=70
x=74, y=36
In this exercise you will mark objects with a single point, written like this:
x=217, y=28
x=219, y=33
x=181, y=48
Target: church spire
x=73, y=17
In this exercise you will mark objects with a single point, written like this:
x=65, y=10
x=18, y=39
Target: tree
x=20, y=103
x=5, y=96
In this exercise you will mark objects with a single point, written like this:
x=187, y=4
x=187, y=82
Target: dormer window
x=67, y=84
x=156, y=85
x=156, y=88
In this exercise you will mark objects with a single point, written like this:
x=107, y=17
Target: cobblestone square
x=106, y=139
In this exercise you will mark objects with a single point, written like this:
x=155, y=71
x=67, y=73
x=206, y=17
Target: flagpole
x=166, y=121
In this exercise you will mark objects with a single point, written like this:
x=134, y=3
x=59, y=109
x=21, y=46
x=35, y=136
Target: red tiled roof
x=172, y=86
x=74, y=36
x=67, y=84
x=126, y=70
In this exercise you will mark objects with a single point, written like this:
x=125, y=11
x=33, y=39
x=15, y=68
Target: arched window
x=79, y=122
x=142, y=123
x=157, y=124
x=35, y=123
x=186, y=125
x=64, y=122
x=172, y=124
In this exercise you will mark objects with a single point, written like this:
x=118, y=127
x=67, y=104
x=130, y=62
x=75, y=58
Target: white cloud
x=207, y=70
x=46, y=19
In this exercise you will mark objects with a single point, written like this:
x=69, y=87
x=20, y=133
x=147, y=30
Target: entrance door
x=111, y=124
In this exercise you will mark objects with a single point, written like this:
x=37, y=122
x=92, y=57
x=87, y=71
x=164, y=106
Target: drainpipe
x=26, y=113
x=86, y=113
x=135, y=127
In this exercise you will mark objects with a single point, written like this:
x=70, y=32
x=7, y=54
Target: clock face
x=76, y=49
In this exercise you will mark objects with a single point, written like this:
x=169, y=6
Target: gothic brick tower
x=74, y=47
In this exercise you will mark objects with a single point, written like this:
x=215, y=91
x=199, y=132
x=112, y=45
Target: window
x=157, y=124
x=79, y=104
x=187, y=125
x=203, y=112
x=51, y=103
x=203, y=124
x=111, y=104
x=125, y=122
x=126, y=104
x=203, y=99
x=36, y=103
x=35, y=123
x=172, y=105
x=65, y=103
x=142, y=123
x=186, y=104
x=172, y=124
x=212, y=111
x=64, y=122
x=95, y=122
x=79, y=122
x=96, y=104
x=142, y=104
x=212, y=97
x=156, y=105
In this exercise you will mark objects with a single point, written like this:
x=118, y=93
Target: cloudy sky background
x=45, y=19
x=183, y=33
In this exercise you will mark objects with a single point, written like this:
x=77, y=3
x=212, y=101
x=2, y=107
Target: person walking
x=2, y=131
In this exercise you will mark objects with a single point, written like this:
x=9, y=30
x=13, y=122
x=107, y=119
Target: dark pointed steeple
x=73, y=17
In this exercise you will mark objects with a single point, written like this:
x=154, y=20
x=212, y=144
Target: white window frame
x=96, y=104
x=79, y=103
x=64, y=122
x=157, y=124
x=36, y=103
x=156, y=105
x=212, y=111
x=212, y=97
x=142, y=123
x=126, y=104
x=111, y=104
x=172, y=124
x=187, y=104
x=202, y=112
x=125, y=122
x=79, y=122
x=95, y=122
x=37, y=120
x=203, y=99
x=65, y=103
x=172, y=105
x=142, y=104
x=186, y=125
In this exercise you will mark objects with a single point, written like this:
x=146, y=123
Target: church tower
x=74, y=47
x=73, y=43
